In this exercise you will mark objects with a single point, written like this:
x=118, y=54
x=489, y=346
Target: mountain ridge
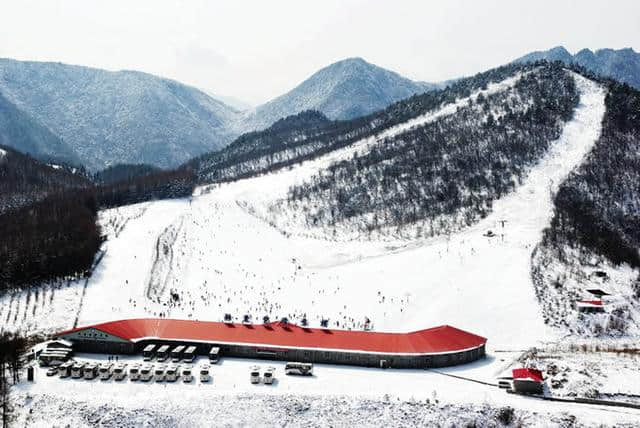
x=619, y=64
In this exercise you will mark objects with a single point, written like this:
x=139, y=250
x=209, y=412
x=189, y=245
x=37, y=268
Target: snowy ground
x=333, y=396
x=214, y=253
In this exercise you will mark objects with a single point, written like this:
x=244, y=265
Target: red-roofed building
x=590, y=305
x=434, y=347
x=528, y=381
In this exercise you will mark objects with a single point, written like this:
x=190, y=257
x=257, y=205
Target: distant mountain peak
x=345, y=89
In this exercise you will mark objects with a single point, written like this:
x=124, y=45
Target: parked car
x=52, y=371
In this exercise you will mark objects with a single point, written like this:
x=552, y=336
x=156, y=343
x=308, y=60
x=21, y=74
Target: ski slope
x=203, y=257
x=212, y=254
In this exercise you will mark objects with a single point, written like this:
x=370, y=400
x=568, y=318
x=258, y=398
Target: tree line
x=53, y=232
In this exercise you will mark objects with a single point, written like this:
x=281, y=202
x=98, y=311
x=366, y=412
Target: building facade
x=435, y=347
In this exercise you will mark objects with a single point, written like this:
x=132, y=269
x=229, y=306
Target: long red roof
x=443, y=339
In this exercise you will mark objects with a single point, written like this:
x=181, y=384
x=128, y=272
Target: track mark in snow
x=166, y=267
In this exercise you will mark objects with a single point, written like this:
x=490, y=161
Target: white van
x=269, y=375
x=120, y=371
x=90, y=371
x=187, y=373
x=104, y=370
x=304, y=369
x=65, y=369
x=77, y=370
x=254, y=374
x=146, y=372
x=204, y=373
x=134, y=372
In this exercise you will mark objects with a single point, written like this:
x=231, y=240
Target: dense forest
x=24, y=180
x=446, y=173
x=123, y=172
x=48, y=215
x=307, y=135
x=596, y=224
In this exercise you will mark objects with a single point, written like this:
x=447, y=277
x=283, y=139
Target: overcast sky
x=255, y=50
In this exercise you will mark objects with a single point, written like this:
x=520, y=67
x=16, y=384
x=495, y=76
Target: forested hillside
x=24, y=180
x=344, y=90
x=259, y=152
x=595, y=232
x=446, y=174
x=48, y=215
x=23, y=133
x=117, y=117
x=122, y=172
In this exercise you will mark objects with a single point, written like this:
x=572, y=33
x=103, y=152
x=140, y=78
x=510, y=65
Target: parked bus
x=187, y=373
x=268, y=376
x=189, y=354
x=176, y=353
x=204, y=373
x=120, y=371
x=158, y=373
x=148, y=352
x=214, y=354
x=77, y=370
x=53, y=357
x=65, y=369
x=146, y=372
x=254, y=374
x=134, y=372
x=163, y=353
x=172, y=373
x=104, y=371
x=90, y=370
x=304, y=369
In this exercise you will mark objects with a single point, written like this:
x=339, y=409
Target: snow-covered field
x=214, y=253
x=334, y=396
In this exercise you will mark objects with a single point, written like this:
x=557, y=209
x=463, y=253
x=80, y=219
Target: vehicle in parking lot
x=104, y=371
x=172, y=373
x=204, y=373
x=52, y=371
x=148, y=352
x=77, y=369
x=163, y=353
x=304, y=369
x=90, y=370
x=64, y=370
x=176, y=353
x=254, y=374
x=146, y=372
x=189, y=354
x=134, y=372
x=214, y=354
x=120, y=371
x=187, y=373
x=269, y=375
x=159, y=372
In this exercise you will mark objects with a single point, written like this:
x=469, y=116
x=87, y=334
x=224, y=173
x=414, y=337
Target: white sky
x=255, y=50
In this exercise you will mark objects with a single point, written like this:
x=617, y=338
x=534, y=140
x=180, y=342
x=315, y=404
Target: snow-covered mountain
x=492, y=205
x=344, y=90
x=117, y=117
x=619, y=64
x=22, y=132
